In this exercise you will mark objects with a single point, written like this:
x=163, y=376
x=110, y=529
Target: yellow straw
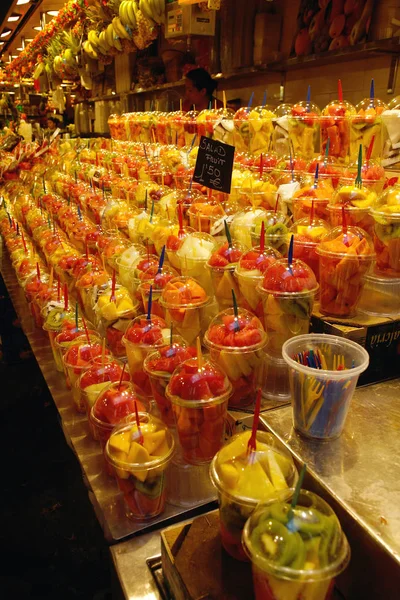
x=224, y=99
x=199, y=354
x=180, y=104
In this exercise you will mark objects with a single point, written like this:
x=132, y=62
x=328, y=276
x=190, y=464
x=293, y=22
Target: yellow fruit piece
x=274, y=472
x=137, y=454
x=121, y=442
x=236, y=449
x=254, y=483
x=272, y=306
x=125, y=305
x=152, y=441
x=229, y=475
x=162, y=450
x=109, y=312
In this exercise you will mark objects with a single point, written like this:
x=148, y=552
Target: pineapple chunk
x=120, y=443
x=254, y=482
x=229, y=475
x=152, y=441
x=235, y=449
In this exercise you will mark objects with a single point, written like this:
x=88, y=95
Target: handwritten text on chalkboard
x=214, y=165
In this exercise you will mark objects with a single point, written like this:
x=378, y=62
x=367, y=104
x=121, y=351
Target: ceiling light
x=21, y=2
x=19, y=49
x=5, y=33
x=2, y=43
x=38, y=28
x=28, y=40
x=14, y=56
x=14, y=17
x=52, y=13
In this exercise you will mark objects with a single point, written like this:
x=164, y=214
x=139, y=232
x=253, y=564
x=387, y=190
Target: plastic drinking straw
x=312, y=211
x=316, y=176
x=113, y=282
x=150, y=302
x=140, y=439
x=252, y=443
x=180, y=104
x=145, y=154
x=261, y=166
x=79, y=212
x=228, y=233
x=152, y=211
x=120, y=381
x=262, y=238
x=181, y=231
x=372, y=93
x=235, y=310
x=44, y=185
x=86, y=330
x=290, y=254
x=17, y=227
x=161, y=261
x=170, y=335
x=250, y=101
x=224, y=99
x=328, y=143
x=277, y=203
x=192, y=144
x=38, y=271
x=264, y=102
x=199, y=354
x=65, y=296
x=358, y=181
x=369, y=150
x=145, y=200
x=340, y=91
x=291, y=163
x=103, y=356
x=296, y=494
x=308, y=98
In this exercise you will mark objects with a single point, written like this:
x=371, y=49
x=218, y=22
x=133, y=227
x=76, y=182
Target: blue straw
x=372, y=93
x=316, y=176
x=264, y=102
x=192, y=144
x=290, y=255
x=161, y=261
x=250, y=101
x=308, y=98
x=150, y=303
x=79, y=212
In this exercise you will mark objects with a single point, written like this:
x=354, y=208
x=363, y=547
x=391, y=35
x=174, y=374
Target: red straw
x=312, y=212
x=86, y=331
x=180, y=219
x=262, y=238
x=65, y=296
x=251, y=446
x=38, y=271
x=58, y=289
x=209, y=193
x=340, y=91
x=113, y=281
x=138, y=424
x=122, y=375
x=261, y=165
x=370, y=148
x=23, y=242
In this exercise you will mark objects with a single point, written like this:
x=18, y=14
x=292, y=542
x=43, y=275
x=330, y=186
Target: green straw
x=297, y=490
x=235, y=310
x=228, y=234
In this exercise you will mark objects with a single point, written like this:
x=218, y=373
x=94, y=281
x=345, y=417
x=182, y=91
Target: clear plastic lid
x=183, y=292
x=370, y=108
x=268, y=472
x=349, y=242
x=103, y=370
x=147, y=332
x=140, y=449
x=195, y=384
x=339, y=109
x=352, y=195
x=371, y=170
x=307, y=111
x=279, y=278
x=120, y=306
x=262, y=113
x=227, y=255
x=388, y=203
x=115, y=403
x=164, y=361
x=152, y=277
x=310, y=232
x=197, y=246
x=130, y=255
x=302, y=543
x=81, y=352
x=244, y=331
x=255, y=262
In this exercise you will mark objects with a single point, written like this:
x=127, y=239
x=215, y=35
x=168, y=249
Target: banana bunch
x=127, y=14
x=153, y=10
x=89, y=50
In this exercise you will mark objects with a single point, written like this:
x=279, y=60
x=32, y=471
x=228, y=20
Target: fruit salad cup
x=295, y=562
x=317, y=195
x=68, y=335
x=242, y=130
x=358, y=201
x=236, y=345
x=142, y=337
x=329, y=170
x=140, y=457
x=199, y=394
x=249, y=273
x=288, y=298
x=335, y=126
x=157, y=282
x=372, y=175
x=244, y=223
x=102, y=371
x=189, y=308
x=92, y=278
x=307, y=235
x=386, y=214
x=207, y=217
x=276, y=231
x=243, y=478
x=258, y=192
x=55, y=316
x=77, y=359
x=159, y=366
x=193, y=256
x=174, y=244
x=114, y=313
x=222, y=264
x=125, y=262
x=117, y=403
x=366, y=124
x=260, y=129
x=345, y=256
x=304, y=129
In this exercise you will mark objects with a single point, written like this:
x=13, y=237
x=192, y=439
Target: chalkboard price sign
x=214, y=165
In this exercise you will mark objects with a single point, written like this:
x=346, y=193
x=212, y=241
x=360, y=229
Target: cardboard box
x=379, y=336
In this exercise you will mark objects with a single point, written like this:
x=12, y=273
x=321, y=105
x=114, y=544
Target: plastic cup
x=65, y=339
x=321, y=397
x=239, y=354
x=355, y=217
x=287, y=313
x=275, y=379
x=380, y=296
x=342, y=266
x=337, y=130
x=224, y=281
x=87, y=351
x=142, y=482
x=302, y=207
x=244, y=479
x=249, y=273
x=386, y=236
x=200, y=423
x=193, y=256
x=304, y=135
x=318, y=554
x=307, y=235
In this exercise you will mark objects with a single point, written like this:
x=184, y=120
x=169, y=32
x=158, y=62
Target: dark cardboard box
x=379, y=336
